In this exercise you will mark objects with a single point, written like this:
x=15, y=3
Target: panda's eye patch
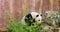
x=37, y=15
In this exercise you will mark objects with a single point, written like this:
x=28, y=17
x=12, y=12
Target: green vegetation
x=18, y=27
x=54, y=18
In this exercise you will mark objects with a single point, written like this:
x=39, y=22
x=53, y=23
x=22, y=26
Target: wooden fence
x=20, y=7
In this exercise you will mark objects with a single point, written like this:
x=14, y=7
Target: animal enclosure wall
x=18, y=8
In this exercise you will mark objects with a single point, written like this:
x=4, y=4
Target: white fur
x=34, y=16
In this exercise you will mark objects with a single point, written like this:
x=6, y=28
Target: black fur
x=29, y=16
x=37, y=15
x=29, y=20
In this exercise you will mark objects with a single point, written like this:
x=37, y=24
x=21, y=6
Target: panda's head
x=33, y=17
x=36, y=16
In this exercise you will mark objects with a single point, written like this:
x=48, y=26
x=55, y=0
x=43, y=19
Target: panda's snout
x=38, y=20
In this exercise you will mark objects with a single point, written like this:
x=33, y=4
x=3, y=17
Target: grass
x=16, y=26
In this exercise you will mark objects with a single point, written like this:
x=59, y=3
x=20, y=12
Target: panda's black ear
x=41, y=15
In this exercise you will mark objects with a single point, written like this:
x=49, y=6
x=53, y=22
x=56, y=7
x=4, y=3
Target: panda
x=31, y=18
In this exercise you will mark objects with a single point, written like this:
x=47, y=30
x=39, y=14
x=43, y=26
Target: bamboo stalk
x=25, y=6
x=2, y=4
x=41, y=4
x=33, y=5
x=59, y=4
x=11, y=5
x=51, y=1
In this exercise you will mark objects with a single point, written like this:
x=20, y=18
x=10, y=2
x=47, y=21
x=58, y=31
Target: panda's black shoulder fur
x=29, y=20
x=29, y=15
